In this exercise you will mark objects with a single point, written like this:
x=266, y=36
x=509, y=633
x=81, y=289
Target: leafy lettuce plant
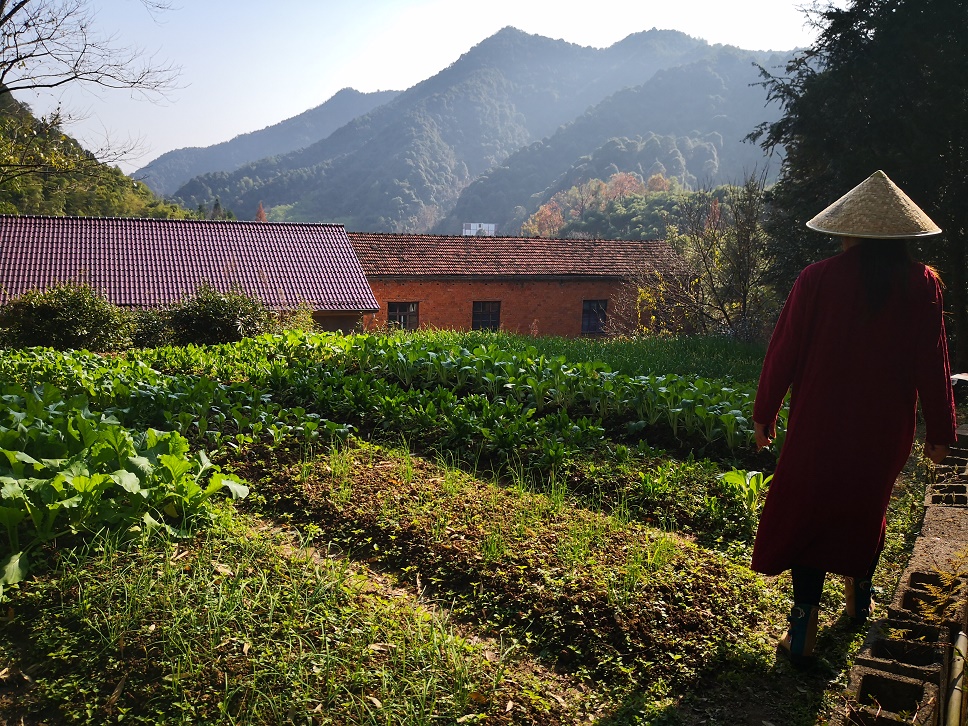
x=66, y=470
x=748, y=485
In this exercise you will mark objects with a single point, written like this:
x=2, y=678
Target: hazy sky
x=246, y=65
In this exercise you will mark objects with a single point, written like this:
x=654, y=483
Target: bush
x=149, y=329
x=299, y=319
x=211, y=317
x=66, y=317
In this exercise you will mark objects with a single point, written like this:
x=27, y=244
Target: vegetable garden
x=430, y=528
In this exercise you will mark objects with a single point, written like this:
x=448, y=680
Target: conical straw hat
x=875, y=208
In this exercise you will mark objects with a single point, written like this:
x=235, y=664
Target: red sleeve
x=782, y=355
x=933, y=375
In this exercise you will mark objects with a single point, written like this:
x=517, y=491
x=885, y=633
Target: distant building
x=478, y=229
x=154, y=263
x=564, y=287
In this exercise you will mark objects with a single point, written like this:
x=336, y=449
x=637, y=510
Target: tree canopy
x=45, y=171
x=50, y=44
x=885, y=86
x=623, y=207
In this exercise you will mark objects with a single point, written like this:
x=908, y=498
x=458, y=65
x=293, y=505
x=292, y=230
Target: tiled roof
x=156, y=262
x=419, y=255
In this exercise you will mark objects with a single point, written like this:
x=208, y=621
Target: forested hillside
x=403, y=166
x=171, y=170
x=45, y=171
x=687, y=123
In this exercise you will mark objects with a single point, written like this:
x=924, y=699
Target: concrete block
x=885, y=696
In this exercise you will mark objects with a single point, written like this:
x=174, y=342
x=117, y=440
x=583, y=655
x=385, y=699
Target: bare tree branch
x=721, y=236
x=46, y=44
x=49, y=44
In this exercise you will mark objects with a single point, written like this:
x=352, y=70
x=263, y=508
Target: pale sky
x=246, y=65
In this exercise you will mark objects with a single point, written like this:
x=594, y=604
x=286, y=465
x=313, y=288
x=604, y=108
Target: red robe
x=855, y=381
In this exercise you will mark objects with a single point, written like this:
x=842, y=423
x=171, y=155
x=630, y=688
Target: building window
x=402, y=315
x=593, y=317
x=486, y=316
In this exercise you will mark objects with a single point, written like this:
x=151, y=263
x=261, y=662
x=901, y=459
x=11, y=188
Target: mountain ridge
x=406, y=164
x=166, y=173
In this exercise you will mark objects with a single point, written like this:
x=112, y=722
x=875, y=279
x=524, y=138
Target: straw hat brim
x=875, y=209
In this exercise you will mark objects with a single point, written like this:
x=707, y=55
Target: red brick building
x=566, y=287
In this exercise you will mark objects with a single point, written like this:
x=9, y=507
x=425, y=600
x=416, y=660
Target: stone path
x=906, y=671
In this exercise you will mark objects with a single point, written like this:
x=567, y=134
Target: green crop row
x=698, y=412
x=66, y=470
x=485, y=400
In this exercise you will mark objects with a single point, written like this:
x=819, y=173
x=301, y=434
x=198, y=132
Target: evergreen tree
x=220, y=212
x=885, y=86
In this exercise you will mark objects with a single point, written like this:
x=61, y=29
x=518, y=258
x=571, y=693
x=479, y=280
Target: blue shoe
x=801, y=636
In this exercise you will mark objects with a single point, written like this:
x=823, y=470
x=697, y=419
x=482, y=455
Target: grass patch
x=241, y=625
x=613, y=601
x=497, y=603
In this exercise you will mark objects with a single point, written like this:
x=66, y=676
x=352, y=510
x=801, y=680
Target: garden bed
x=493, y=534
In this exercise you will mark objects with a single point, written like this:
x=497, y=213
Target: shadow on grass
x=758, y=690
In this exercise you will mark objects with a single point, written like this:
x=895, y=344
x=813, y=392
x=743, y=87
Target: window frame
x=404, y=319
x=594, y=316
x=483, y=317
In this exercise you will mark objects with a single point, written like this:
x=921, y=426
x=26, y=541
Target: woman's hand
x=936, y=452
x=764, y=437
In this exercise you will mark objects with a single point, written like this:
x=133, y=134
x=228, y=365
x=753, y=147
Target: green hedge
x=76, y=317
x=66, y=317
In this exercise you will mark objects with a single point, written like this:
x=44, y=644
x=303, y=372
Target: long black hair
x=885, y=267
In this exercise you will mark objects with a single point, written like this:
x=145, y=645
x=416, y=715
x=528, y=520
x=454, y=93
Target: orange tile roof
x=156, y=262
x=421, y=255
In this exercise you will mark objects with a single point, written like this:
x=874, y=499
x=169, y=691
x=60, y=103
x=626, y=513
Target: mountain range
x=171, y=170
x=492, y=136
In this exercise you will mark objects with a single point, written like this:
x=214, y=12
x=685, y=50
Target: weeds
x=216, y=629
x=943, y=590
x=340, y=459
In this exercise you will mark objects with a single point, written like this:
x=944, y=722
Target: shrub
x=149, y=329
x=65, y=317
x=211, y=317
x=299, y=319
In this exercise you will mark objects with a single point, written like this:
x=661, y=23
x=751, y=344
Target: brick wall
x=344, y=322
x=542, y=307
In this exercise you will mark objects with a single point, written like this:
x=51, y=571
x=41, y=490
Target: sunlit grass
x=533, y=547
x=238, y=625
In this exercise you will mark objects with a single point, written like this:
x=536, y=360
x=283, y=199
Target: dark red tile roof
x=420, y=255
x=156, y=262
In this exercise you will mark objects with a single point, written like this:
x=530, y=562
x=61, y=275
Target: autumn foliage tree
x=546, y=222
x=658, y=183
x=623, y=184
x=572, y=206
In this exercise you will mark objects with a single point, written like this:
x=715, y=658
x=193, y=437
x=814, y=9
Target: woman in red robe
x=860, y=339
